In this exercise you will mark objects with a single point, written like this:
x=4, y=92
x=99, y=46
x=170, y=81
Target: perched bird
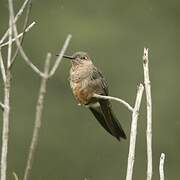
x=86, y=80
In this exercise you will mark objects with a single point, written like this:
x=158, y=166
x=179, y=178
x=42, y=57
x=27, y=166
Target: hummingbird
x=86, y=80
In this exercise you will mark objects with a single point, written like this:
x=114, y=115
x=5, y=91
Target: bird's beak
x=67, y=57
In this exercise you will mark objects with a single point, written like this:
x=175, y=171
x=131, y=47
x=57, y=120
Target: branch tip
x=2, y=106
x=15, y=20
x=161, y=166
x=19, y=35
x=149, y=114
x=59, y=58
x=145, y=55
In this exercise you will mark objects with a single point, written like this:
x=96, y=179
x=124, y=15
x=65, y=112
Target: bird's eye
x=84, y=57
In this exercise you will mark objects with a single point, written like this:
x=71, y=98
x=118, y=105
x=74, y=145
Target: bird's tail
x=107, y=119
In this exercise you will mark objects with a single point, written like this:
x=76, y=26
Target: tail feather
x=108, y=121
x=100, y=117
x=111, y=121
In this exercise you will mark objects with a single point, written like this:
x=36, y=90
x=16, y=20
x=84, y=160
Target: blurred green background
x=72, y=144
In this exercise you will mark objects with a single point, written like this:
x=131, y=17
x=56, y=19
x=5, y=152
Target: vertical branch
x=38, y=118
x=133, y=134
x=161, y=166
x=149, y=114
x=5, y=131
x=6, y=112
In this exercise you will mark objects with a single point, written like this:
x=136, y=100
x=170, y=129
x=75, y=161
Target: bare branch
x=15, y=176
x=38, y=118
x=2, y=106
x=24, y=31
x=5, y=131
x=115, y=99
x=15, y=20
x=3, y=71
x=161, y=166
x=6, y=112
x=58, y=60
x=23, y=54
x=149, y=114
x=133, y=134
x=10, y=41
x=19, y=35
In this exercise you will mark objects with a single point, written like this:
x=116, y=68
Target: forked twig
x=47, y=74
x=132, y=144
x=38, y=117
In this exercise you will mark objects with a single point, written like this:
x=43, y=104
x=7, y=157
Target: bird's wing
x=100, y=80
x=104, y=113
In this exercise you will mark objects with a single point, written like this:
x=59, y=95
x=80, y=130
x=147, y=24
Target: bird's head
x=78, y=58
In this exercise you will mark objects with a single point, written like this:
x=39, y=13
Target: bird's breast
x=82, y=91
x=82, y=85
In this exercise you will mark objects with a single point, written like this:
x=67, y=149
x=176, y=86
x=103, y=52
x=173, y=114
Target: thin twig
x=15, y=176
x=133, y=134
x=15, y=20
x=38, y=118
x=10, y=41
x=149, y=114
x=161, y=166
x=2, y=106
x=6, y=112
x=115, y=99
x=58, y=60
x=24, y=31
x=19, y=35
x=3, y=71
